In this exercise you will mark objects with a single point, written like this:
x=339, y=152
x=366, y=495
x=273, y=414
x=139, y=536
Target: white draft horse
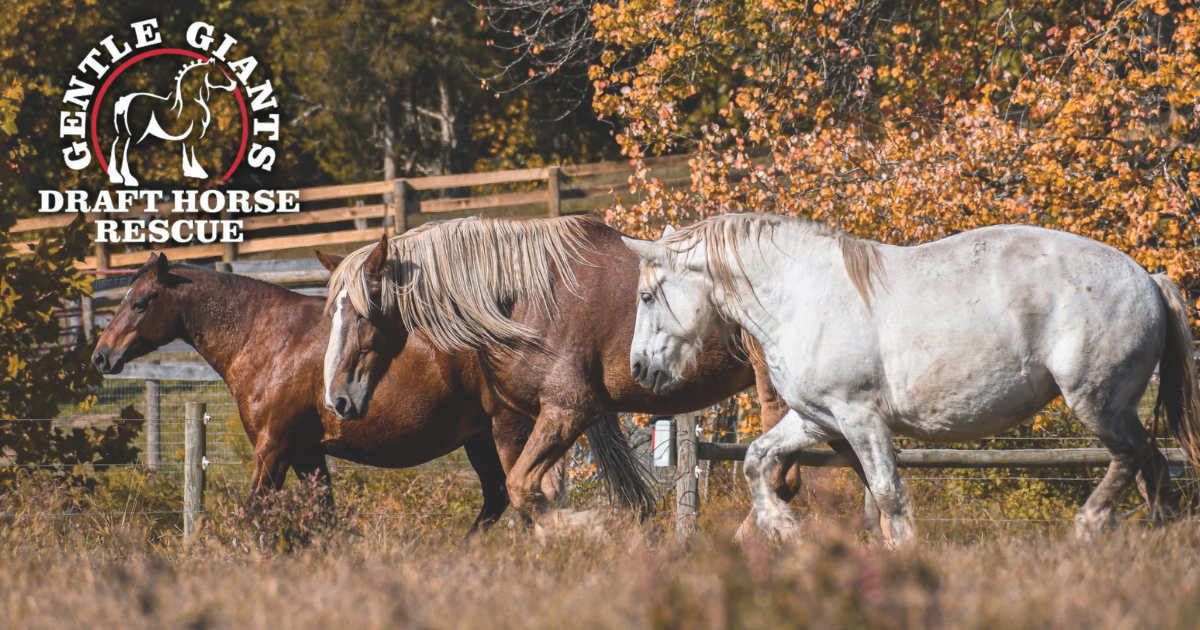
x=142, y=114
x=954, y=340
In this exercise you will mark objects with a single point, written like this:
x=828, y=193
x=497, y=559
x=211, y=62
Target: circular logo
x=184, y=113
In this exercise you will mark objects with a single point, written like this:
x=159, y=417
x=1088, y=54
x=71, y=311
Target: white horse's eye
x=646, y=297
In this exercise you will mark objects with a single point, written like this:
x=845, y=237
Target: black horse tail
x=625, y=476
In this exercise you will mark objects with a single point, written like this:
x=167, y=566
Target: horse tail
x=624, y=474
x=1177, y=386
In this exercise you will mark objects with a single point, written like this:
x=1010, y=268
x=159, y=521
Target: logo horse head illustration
x=181, y=117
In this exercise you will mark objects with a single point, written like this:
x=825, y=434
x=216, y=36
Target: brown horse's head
x=360, y=348
x=147, y=318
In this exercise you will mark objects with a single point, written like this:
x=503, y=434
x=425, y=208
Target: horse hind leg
x=1154, y=481
x=1132, y=457
x=191, y=167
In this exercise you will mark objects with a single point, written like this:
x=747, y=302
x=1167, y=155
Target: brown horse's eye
x=139, y=307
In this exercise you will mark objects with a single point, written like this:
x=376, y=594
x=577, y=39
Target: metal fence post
x=194, y=464
x=687, y=495
x=153, y=425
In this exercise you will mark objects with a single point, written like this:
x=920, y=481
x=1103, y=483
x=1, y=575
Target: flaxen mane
x=722, y=236
x=454, y=280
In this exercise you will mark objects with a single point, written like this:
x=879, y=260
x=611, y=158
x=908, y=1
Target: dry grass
x=347, y=569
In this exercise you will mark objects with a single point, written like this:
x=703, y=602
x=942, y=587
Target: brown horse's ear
x=329, y=261
x=376, y=263
x=374, y=268
x=162, y=268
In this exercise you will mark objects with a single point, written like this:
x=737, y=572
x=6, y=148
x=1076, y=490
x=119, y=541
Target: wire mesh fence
x=943, y=497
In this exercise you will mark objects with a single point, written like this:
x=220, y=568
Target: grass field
x=390, y=555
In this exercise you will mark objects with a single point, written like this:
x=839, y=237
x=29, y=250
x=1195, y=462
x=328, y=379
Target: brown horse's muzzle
x=349, y=401
x=107, y=361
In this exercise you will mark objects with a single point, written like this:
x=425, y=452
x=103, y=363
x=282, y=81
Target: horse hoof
x=1088, y=527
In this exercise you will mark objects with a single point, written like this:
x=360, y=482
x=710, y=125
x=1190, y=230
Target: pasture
x=356, y=568
x=996, y=550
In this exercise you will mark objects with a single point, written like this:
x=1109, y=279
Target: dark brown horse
x=267, y=343
x=548, y=304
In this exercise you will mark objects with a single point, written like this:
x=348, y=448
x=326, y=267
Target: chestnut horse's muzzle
x=106, y=363
x=348, y=403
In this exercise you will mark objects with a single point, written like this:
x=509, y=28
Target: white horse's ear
x=667, y=231
x=646, y=250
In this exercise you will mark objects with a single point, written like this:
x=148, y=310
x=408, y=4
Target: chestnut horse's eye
x=646, y=297
x=139, y=307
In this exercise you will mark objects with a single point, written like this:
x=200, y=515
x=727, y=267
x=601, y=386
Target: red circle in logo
x=154, y=53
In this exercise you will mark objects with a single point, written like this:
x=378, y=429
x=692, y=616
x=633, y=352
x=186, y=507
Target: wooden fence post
x=229, y=252
x=194, y=464
x=687, y=495
x=87, y=305
x=404, y=191
x=87, y=320
x=555, y=187
x=153, y=425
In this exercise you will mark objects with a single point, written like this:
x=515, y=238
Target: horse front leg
x=786, y=479
x=765, y=464
x=556, y=430
x=128, y=177
x=872, y=442
x=114, y=170
x=485, y=459
x=314, y=466
x=271, y=462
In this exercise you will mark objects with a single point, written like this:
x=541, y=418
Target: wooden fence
x=374, y=208
x=332, y=216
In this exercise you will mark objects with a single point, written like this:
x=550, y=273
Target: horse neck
x=225, y=316
x=796, y=257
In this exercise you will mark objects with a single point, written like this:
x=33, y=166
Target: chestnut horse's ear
x=162, y=268
x=376, y=263
x=329, y=261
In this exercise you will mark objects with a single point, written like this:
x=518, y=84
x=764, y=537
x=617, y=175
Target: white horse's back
x=979, y=331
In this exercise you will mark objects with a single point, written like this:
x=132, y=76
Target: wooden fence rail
x=948, y=458
x=691, y=450
x=398, y=208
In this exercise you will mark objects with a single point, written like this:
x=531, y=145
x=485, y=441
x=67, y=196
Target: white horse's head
x=675, y=313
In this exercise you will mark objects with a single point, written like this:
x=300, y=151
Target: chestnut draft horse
x=267, y=343
x=549, y=305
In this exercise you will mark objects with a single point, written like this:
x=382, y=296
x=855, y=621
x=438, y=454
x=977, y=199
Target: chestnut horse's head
x=148, y=317
x=361, y=347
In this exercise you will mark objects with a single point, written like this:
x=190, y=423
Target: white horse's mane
x=453, y=280
x=724, y=235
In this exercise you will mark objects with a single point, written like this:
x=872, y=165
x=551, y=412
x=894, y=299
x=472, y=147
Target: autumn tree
x=43, y=366
x=908, y=121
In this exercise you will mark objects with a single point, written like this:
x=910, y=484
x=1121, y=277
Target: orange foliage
x=907, y=122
